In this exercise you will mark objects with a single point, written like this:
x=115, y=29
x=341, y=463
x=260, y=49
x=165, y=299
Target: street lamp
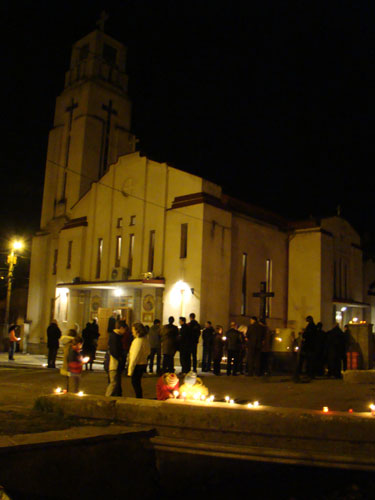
x=12, y=261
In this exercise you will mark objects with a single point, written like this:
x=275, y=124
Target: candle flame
x=58, y=390
x=325, y=409
x=80, y=393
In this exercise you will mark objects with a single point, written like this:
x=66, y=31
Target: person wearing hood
x=193, y=387
x=116, y=360
x=167, y=384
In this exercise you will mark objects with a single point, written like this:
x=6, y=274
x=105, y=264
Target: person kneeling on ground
x=193, y=387
x=166, y=385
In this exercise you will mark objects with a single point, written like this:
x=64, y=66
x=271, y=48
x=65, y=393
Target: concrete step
x=99, y=356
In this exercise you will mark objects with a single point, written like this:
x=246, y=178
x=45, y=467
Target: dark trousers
x=306, y=359
x=206, y=359
x=185, y=359
x=12, y=348
x=194, y=356
x=52, y=353
x=168, y=363
x=266, y=363
x=155, y=351
x=217, y=365
x=232, y=362
x=253, y=361
x=139, y=370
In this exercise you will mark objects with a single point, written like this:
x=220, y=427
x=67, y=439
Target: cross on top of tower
x=102, y=20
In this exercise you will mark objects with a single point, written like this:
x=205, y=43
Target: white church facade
x=120, y=232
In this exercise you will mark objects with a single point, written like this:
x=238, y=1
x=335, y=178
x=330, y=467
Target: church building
x=120, y=232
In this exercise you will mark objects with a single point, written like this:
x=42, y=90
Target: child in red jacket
x=76, y=362
x=166, y=385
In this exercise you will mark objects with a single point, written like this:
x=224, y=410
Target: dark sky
x=275, y=101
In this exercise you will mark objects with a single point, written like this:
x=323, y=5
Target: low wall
x=337, y=434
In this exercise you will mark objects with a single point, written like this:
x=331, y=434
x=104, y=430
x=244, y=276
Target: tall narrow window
x=268, y=286
x=69, y=257
x=334, y=279
x=151, y=252
x=118, y=251
x=54, y=267
x=183, y=244
x=345, y=281
x=244, y=284
x=131, y=253
x=99, y=258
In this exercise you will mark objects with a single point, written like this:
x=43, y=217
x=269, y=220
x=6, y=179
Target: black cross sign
x=69, y=109
x=110, y=112
x=263, y=295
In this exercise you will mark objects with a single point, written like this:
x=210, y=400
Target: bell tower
x=91, y=125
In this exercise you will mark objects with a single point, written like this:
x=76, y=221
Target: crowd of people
x=244, y=350
x=322, y=353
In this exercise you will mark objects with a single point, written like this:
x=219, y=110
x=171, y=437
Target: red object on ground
x=352, y=360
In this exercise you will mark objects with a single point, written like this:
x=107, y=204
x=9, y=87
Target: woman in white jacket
x=138, y=355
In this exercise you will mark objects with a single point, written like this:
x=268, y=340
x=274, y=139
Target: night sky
x=274, y=101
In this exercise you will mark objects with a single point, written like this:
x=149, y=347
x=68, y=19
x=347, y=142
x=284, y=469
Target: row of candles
x=210, y=399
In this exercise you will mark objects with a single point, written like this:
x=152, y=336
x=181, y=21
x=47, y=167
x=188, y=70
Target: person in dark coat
x=307, y=351
x=126, y=338
x=116, y=361
x=154, y=336
x=345, y=346
x=195, y=328
x=111, y=323
x=186, y=343
x=207, y=337
x=255, y=336
x=53, y=335
x=217, y=349
x=233, y=346
x=169, y=343
x=319, y=352
x=334, y=351
x=266, y=351
x=89, y=344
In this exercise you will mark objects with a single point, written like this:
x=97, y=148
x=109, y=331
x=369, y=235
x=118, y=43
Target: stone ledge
x=333, y=432
x=359, y=376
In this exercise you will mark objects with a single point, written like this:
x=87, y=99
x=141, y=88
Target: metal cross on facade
x=107, y=130
x=69, y=109
x=263, y=295
x=102, y=20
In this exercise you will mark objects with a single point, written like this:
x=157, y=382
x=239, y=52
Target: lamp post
x=12, y=261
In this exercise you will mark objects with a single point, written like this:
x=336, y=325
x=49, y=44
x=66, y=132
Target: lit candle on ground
x=58, y=390
x=256, y=404
x=184, y=395
x=227, y=398
x=231, y=401
x=325, y=409
x=80, y=393
x=176, y=394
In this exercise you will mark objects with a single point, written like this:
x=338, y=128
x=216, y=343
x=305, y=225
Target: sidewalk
x=22, y=360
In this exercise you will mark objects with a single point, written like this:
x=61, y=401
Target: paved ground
x=20, y=386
